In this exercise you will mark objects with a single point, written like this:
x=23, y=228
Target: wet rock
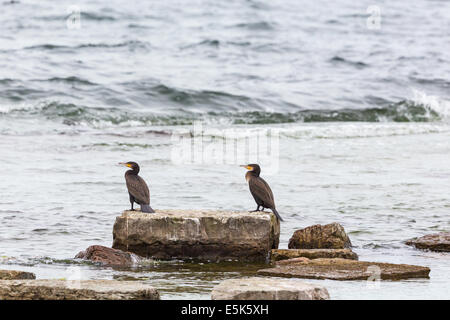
x=16, y=275
x=198, y=234
x=434, y=242
x=344, y=269
x=329, y=236
x=76, y=290
x=284, y=254
x=259, y=288
x=108, y=256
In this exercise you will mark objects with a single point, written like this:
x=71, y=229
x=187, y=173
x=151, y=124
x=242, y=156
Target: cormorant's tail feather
x=277, y=214
x=147, y=208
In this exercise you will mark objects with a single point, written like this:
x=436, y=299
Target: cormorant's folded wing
x=138, y=189
x=261, y=190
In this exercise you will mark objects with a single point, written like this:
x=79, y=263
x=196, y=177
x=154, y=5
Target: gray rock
x=259, y=288
x=198, y=234
x=76, y=290
x=344, y=269
x=329, y=236
x=284, y=254
x=434, y=242
x=16, y=275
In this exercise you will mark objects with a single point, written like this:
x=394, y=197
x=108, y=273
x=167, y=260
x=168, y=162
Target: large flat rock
x=76, y=290
x=16, y=275
x=434, y=242
x=284, y=254
x=259, y=288
x=198, y=234
x=344, y=269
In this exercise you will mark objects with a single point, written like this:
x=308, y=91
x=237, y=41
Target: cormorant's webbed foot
x=257, y=209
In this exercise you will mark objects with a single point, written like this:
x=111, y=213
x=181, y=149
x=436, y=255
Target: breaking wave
x=422, y=110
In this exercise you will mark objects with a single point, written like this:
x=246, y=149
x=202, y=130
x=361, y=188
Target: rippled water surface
x=362, y=117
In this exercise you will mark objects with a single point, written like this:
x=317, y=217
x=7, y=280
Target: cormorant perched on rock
x=137, y=188
x=260, y=190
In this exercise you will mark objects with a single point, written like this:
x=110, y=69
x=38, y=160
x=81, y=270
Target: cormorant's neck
x=251, y=174
x=133, y=172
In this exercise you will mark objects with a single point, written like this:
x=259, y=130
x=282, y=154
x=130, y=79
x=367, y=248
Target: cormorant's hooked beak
x=247, y=167
x=125, y=164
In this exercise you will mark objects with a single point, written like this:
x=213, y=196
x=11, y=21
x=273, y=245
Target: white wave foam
x=7, y=108
x=336, y=130
x=434, y=103
x=362, y=130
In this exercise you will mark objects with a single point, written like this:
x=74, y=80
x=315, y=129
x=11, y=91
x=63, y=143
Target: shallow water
x=361, y=116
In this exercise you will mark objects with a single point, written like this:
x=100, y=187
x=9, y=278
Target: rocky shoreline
x=315, y=252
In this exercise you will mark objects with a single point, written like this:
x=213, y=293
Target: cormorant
x=137, y=188
x=260, y=190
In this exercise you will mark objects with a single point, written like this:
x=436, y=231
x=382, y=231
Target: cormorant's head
x=254, y=168
x=133, y=165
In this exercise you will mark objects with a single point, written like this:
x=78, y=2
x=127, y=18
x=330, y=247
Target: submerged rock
x=76, y=290
x=198, y=234
x=259, y=288
x=344, y=269
x=16, y=275
x=108, y=256
x=435, y=242
x=329, y=236
x=284, y=254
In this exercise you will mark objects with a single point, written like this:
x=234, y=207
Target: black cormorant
x=137, y=188
x=260, y=190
